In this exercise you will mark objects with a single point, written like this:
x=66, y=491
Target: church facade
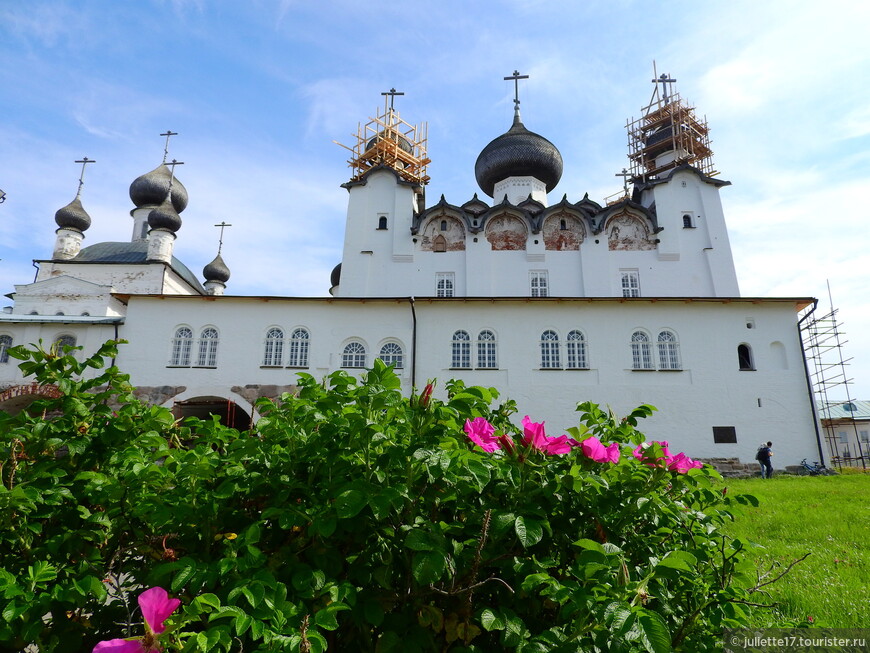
x=552, y=302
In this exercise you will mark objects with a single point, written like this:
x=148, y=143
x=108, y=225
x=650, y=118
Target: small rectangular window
x=539, y=283
x=724, y=434
x=865, y=436
x=630, y=281
x=444, y=282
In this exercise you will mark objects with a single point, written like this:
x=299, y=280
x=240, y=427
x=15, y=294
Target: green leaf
x=491, y=621
x=349, y=503
x=528, y=530
x=654, y=632
x=428, y=566
x=590, y=545
x=186, y=570
x=420, y=540
x=681, y=560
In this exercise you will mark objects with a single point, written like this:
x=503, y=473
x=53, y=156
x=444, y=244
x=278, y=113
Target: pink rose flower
x=481, y=433
x=156, y=607
x=594, y=449
x=534, y=435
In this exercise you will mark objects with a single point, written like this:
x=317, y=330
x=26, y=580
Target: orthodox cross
x=664, y=80
x=84, y=161
x=221, y=240
x=172, y=172
x=392, y=93
x=168, y=133
x=626, y=175
x=517, y=77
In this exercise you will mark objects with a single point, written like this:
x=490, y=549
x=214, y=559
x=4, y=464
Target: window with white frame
x=392, y=354
x=273, y=348
x=550, y=350
x=208, y=344
x=669, y=351
x=297, y=356
x=539, y=283
x=641, y=351
x=182, y=343
x=354, y=355
x=575, y=348
x=444, y=282
x=487, y=358
x=5, y=344
x=630, y=280
x=461, y=352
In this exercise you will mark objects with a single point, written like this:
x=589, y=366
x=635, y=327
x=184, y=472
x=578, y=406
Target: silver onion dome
x=73, y=216
x=518, y=153
x=151, y=188
x=165, y=216
x=217, y=270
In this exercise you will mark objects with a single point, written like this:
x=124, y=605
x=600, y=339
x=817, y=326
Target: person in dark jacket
x=763, y=457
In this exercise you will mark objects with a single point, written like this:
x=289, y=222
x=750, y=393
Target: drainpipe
x=810, y=384
x=413, y=345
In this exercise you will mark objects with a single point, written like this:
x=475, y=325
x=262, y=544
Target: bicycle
x=816, y=469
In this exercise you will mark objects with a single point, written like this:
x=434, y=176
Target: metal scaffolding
x=823, y=342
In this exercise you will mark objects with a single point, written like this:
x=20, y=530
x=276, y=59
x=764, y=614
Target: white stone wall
x=710, y=390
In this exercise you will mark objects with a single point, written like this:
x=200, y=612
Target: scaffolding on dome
x=388, y=140
x=823, y=344
x=666, y=135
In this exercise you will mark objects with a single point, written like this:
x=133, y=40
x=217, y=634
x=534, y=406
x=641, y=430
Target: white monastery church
x=552, y=300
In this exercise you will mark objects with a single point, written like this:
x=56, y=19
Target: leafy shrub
x=351, y=518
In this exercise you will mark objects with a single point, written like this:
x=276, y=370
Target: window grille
x=208, y=344
x=550, y=350
x=5, y=344
x=354, y=355
x=461, y=357
x=486, y=351
x=444, y=284
x=181, y=346
x=539, y=284
x=575, y=345
x=299, y=345
x=630, y=283
x=273, y=349
x=392, y=354
x=641, y=352
x=669, y=351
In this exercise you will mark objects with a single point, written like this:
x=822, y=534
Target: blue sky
x=259, y=90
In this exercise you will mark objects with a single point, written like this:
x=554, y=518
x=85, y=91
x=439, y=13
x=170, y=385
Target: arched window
x=63, y=341
x=382, y=222
x=575, y=345
x=208, y=344
x=486, y=351
x=273, y=348
x=439, y=244
x=444, y=284
x=744, y=358
x=687, y=221
x=550, y=350
x=392, y=354
x=461, y=357
x=669, y=351
x=563, y=226
x=181, y=346
x=5, y=344
x=298, y=355
x=641, y=352
x=354, y=355
x=444, y=225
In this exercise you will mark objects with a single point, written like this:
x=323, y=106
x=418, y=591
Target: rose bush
x=352, y=518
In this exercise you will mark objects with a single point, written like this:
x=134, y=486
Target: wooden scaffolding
x=388, y=140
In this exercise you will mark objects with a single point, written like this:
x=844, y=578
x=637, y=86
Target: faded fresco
x=506, y=232
x=443, y=234
x=563, y=232
x=628, y=232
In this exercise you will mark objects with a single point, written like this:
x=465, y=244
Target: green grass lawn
x=826, y=516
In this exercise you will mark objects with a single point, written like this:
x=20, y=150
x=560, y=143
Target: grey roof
x=73, y=216
x=151, y=189
x=518, y=153
x=846, y=410
x=135, y=253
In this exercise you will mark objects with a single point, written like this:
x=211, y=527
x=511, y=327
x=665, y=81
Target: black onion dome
x=165, y=217
x=404, y=143
x=151, y=188
x=217, y=270
x=73, y=216
x=335, y=277
x=518, y=153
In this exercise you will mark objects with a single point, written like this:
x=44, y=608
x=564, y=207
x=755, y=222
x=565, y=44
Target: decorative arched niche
x=563, y=232
x=628, y=232
x=506, y=232
x=443, y=233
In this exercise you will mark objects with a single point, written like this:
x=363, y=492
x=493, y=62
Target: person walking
x=763, y=456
